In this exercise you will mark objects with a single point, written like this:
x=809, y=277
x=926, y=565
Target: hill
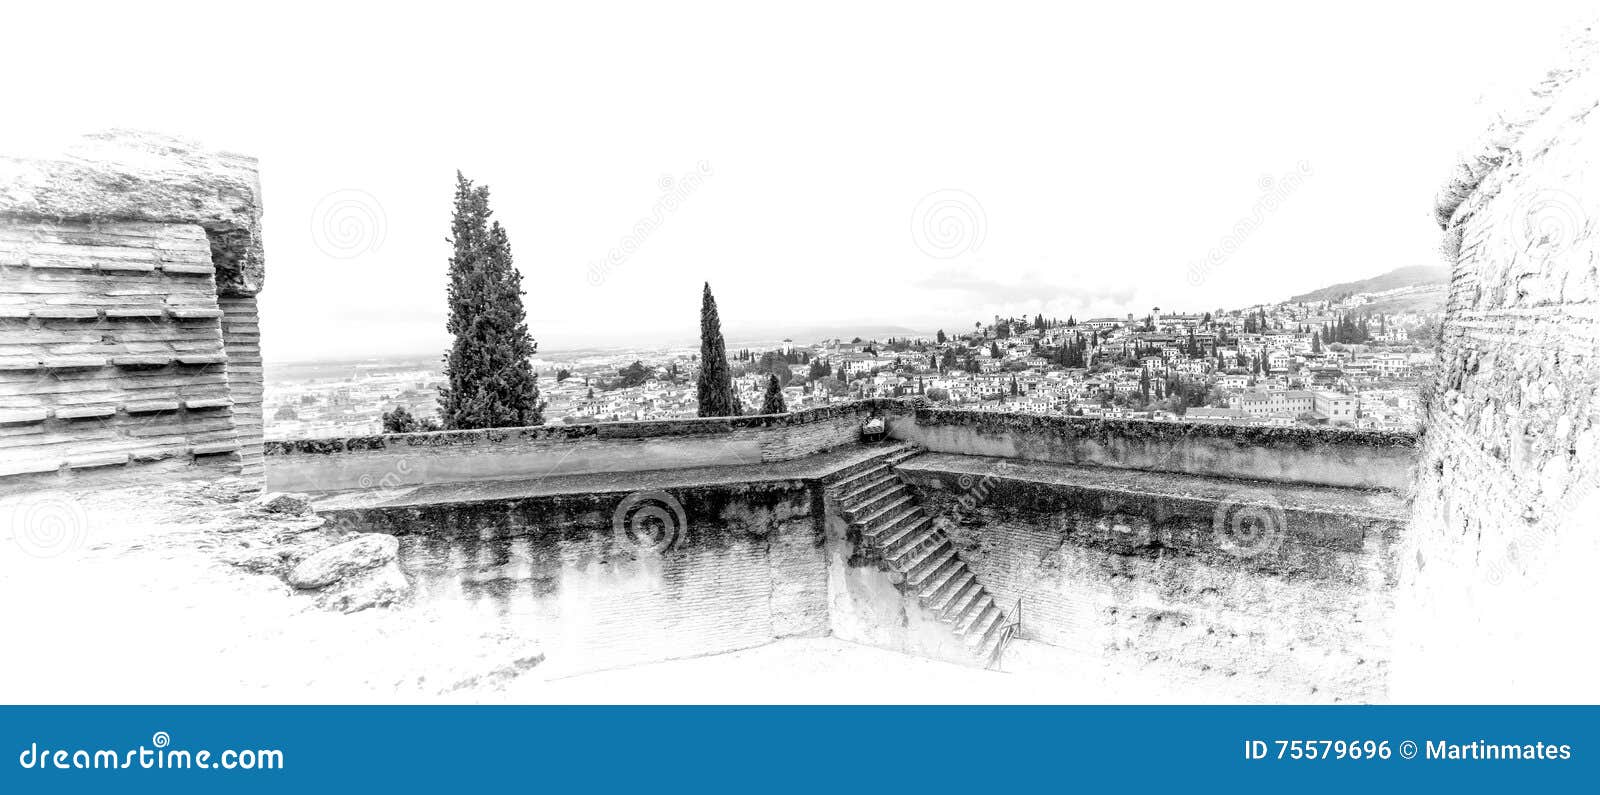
x=1413, y=276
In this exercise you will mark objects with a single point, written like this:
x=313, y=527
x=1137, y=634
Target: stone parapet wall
x=1307, y=455
x=514, y=453
x=1327, y=456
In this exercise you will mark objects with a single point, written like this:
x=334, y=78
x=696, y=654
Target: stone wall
x=124, y=264
x=611, y=579
x=1328, y=456
x=1267, y=592
x=514, y=453
x=1502, y=556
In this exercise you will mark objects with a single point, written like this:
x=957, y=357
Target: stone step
x=875, y=523
x=918, y=534
x=961, y=598
x=873, y=504
x=938, y=586
x=892, y=526
x=892, y=539
x=978, y=618
x=988, y=651
x=934, y=573
x=987, y=632
x=858, y=478
x=919, y=562
x=854, y=497
x=954, y=591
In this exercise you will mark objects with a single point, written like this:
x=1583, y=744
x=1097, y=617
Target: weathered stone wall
x=593, y=580
x=1327, y=456
x=1501, y=560
x=1306, y=455
x=513, y=453
x=1286, y=588
x=118, y=260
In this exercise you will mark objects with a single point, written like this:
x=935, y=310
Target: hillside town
x=1342, y=362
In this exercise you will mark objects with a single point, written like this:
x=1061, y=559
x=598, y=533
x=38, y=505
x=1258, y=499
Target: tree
x=773, y=402
x=286, y=412
x=940, y=338
x=401, y=420
x=634, y=374
x=489, y=378
x=939, y=395
x=563, y=374
x=716, y=384
x=1316, y=342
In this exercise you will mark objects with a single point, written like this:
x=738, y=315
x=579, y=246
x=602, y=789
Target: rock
x=366, y=551
x=282, y=502
x=377, y=587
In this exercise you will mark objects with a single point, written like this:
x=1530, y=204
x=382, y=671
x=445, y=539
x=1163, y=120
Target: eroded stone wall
x=591, y=580
x=127, y=262
x=395, y=460
x=1500, y=563
x=1250, y=591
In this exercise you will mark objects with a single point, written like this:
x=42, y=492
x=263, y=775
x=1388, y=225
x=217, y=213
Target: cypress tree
x=489, y=380
x=716, y=384
x=773, y=402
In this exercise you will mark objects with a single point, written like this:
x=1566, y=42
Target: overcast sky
x=926, y=165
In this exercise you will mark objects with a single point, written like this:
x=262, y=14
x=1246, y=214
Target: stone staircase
x=900, y=538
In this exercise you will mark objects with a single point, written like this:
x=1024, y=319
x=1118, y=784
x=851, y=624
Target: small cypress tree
x=773, y=402
x=716, y=395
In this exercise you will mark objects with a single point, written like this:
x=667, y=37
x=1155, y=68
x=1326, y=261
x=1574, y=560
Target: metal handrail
x=1011, y=627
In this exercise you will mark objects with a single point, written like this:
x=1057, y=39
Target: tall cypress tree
x=489, y=380
x=773, y=402
x=716, y=384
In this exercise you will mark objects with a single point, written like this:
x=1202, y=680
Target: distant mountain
x=1413, y=276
